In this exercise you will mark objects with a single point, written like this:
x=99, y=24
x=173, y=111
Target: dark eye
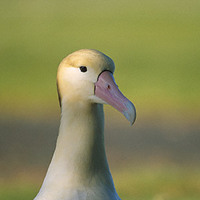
x=83, y=68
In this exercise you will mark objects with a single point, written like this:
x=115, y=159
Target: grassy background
x=141, y=184
x=155, y=45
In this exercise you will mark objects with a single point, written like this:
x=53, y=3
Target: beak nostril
x=108, y=86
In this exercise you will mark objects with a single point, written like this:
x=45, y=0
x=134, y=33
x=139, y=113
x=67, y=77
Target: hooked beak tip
x=130, y=112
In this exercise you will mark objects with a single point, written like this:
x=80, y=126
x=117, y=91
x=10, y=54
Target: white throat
x=79, y=168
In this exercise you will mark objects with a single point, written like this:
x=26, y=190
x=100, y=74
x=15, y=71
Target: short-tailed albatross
x=79, y=169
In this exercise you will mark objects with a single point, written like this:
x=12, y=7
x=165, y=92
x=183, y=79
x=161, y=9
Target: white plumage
x=79, y=168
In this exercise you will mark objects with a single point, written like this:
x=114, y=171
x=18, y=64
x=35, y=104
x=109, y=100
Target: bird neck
x=79, y=158
x=81, y=139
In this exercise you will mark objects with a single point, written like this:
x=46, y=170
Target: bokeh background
x=156, y=48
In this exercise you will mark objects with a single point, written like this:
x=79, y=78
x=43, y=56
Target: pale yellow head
x=85, y=77
x=75, y=85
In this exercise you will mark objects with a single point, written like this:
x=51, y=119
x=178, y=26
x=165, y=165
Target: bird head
x=86, y=76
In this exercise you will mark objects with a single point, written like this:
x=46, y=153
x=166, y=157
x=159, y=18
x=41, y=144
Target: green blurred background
x=156, y=48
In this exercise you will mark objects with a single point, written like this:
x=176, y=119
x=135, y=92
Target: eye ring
x=83, y=68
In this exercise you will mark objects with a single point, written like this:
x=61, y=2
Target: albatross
x=79, y=169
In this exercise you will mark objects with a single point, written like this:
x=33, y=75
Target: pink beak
x=107, y=90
